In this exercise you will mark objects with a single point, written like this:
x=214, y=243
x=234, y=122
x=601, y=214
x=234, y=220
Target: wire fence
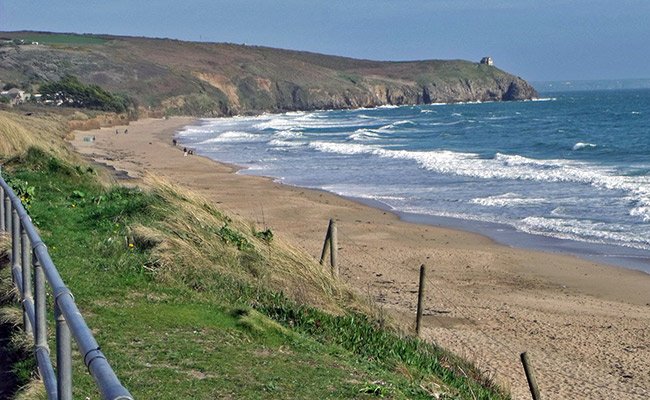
x=551, y=369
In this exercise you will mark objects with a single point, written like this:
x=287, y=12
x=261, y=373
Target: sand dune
x=584, y=325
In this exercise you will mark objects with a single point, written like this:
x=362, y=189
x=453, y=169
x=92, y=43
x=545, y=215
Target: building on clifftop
x=487, y=61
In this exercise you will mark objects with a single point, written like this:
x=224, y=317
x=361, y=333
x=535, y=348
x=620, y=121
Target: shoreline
x=486, y=301
x=503, y=234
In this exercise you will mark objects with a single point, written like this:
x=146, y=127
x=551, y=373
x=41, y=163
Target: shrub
x=71, y=92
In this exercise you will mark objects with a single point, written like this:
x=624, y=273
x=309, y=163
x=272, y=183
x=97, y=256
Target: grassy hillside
x=189, y=302
x=172, y=76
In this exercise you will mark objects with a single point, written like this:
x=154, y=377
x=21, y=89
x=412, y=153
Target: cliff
x=217, y=79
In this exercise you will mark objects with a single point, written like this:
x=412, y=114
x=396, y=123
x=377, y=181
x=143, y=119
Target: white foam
x=397, y=124
x=581, y=145
x=503, y=166
x=583, y=230
x=231, y=137
x=285, y=143
x=642, y=211
x=278, y=124
x=363, y=134
x=342, y=148
x=290, y=133
x=507, y=200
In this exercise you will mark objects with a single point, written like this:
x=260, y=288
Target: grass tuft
x=189, y=302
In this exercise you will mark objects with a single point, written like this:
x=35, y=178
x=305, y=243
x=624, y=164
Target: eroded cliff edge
x=212, y=79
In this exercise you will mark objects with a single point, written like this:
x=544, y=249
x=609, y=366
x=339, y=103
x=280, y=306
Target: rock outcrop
x=224, y=79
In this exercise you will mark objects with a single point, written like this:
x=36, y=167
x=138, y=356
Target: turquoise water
x=571, y=170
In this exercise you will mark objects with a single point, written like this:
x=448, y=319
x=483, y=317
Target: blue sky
x=535, y=39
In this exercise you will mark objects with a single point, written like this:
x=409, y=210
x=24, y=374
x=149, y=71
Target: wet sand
x=584, y=325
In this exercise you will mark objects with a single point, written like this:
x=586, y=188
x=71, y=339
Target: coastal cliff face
x=205, y=79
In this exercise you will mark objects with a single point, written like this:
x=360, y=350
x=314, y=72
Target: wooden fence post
x=530, y=376
x=418, y=318
x=334, y=243
x=331, y=243
x=326, y=244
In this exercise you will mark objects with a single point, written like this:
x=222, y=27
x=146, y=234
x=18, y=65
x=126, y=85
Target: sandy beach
x=584, y=325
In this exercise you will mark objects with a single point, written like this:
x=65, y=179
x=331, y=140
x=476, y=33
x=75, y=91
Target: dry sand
x=585, y=326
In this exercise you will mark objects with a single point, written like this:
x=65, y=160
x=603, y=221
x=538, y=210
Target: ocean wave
x=641, y=211
x=582, y=230
x=498, y=118
x=289, y=133
x=445, y=123
x=503, y=166
x=581, y=145
x=363, y=134
x=397, y=124
x=343, y=148
x=285, y=143
x=278, y=124
x=194, y=131
x=231, y=136
x=507, y=200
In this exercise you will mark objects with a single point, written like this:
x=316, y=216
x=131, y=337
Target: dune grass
x=188, y=302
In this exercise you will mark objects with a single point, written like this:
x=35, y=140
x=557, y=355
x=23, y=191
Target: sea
x=569, y=172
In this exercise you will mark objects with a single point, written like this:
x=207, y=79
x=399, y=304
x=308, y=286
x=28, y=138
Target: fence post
x=2, y=209
x=26, y=265
x=418, y=318
x=530, y=376
x=326, y=243
x=14, y=223
x=7, y=222
x=334, y=248
x=63, y=355
x=2, y=205
x=41, y=347
x=39, y=304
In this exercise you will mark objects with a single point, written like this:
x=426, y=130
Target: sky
x=539, y=40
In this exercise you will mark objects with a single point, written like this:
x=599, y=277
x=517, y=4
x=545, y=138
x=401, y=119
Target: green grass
x=60, y=38
x=211, y=334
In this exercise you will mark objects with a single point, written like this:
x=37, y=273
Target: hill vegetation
x=186, y=300
x=70, y=92
x=217, y=79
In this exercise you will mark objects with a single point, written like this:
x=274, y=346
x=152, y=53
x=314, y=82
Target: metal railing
x=31, y=263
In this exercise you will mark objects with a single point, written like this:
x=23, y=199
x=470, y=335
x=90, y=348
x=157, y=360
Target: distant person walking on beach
x=174, y=142
x=126, y=131
x=185, y=151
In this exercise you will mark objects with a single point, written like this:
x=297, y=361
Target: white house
x=15, y=96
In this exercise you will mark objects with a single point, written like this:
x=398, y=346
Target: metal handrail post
x=63, y=356
x=15, y=249
x=41, y=347
x=7, y=222
x=26, y=265
x=2, y=209
x=2, y=205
